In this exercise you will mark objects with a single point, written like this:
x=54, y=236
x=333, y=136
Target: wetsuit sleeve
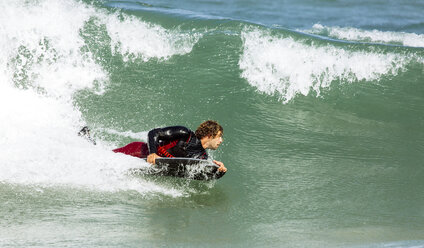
x=164, y=135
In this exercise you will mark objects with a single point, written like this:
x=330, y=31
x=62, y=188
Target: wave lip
x=134, y=38
x=374, y=36
x=287, y=67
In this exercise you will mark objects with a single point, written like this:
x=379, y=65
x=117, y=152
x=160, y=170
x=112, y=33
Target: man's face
x=216, y=141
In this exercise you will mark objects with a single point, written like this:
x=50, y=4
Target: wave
x=64, y=47
x=134, y=38
x=42, y=50
x=46, y=58
x=279, y=61
x=374, y=36
x=287, y=66
x=286, y=63
x=46, y=49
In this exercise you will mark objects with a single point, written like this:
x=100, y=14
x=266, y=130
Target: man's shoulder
x=177, y=130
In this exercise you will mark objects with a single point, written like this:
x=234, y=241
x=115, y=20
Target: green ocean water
x=322, y=116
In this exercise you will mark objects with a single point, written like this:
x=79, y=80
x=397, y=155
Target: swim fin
x=85, y=132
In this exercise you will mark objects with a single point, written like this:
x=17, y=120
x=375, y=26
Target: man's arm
x=221, y=168
x=151, y=158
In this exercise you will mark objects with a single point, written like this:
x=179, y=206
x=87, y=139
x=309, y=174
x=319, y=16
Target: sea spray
x=134, y=38
x=287, y=67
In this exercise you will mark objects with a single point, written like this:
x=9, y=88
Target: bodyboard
x=191, y=168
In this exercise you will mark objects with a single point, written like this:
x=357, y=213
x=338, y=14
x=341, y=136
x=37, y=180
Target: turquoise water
x=321, y=104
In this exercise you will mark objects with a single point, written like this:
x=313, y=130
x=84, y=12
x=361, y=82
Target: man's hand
x=151, y=158
x=221, y=166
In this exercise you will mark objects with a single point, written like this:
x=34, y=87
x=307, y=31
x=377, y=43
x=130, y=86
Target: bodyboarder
x=178, y=141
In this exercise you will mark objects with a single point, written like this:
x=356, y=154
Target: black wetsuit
x=175, y=141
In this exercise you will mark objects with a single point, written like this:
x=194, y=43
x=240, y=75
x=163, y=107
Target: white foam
x=287, y=67
x=42, y=47
x=42, y=65
x=375, y=36
x=134, y=38
x=40, y=146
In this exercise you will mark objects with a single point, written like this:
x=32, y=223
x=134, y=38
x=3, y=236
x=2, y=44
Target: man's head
x=210, y=133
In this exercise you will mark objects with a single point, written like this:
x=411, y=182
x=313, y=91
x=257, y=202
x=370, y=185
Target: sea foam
x=288, y=67
x=134, y=38
x=374, y=36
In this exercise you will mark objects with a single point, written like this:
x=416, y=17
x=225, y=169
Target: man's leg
x=136, y=149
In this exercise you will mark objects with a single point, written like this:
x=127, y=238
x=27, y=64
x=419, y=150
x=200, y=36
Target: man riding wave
x=178, y=141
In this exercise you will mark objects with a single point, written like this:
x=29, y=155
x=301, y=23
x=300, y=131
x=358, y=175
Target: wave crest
x=287, y=67
x=375, y=36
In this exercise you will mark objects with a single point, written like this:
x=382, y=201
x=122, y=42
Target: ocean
x=322, y=105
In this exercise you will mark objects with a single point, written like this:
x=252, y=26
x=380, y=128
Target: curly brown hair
x=209, y=128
